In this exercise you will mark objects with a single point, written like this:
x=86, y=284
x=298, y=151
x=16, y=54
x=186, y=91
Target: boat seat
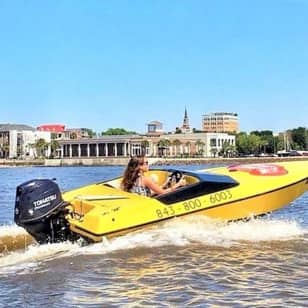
x=158, y=176
x=115, y=183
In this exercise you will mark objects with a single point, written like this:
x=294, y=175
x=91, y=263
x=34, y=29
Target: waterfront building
x=76, y=133
x=60, y=132
x=168, y=145
x=105, y=146
x=57, y=130
x=18, y=141
x=220, y=122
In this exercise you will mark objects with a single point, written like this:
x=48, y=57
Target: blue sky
x=105, y=64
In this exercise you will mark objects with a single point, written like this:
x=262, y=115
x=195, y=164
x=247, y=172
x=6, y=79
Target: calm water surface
x=190, y=261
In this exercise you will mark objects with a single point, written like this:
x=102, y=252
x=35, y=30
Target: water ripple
x=191, y=262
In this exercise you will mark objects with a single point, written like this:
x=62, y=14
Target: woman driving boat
x=135, y=180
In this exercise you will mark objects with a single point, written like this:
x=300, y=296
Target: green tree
x=227, y=150
x=199, y=147
x=299, y=138
x=197, y=131
x=187, y=146
x=163, y=145
x=144, y=145
x=178, y=130
x=90, y=132
x=214, y=151
x=176, y=143
x=267, y=141
x=118, y=131
x=5, y=150
x=41, y=146
x=278, y=143
x=54, y=146
x=248, y=144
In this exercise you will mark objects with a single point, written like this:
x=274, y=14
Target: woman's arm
x=148, y=182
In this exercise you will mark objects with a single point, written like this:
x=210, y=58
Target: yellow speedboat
x=103, y=210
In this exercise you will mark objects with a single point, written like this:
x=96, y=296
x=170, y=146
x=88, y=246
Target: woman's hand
x=182, y=182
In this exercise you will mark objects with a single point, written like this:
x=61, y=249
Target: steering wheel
x=174, y=178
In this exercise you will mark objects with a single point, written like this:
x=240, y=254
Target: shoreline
x=10, y=163
x=231, y=161
x=112, y=161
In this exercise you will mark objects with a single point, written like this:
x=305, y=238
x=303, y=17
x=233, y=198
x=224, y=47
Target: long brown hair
x=131, y=172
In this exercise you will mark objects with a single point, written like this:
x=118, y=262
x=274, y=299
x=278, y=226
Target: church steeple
x=186, y=120
x=185, y=127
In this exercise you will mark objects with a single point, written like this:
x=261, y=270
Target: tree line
x=266, y=142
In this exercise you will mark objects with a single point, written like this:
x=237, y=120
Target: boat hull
x=104, y=210
x=257, y=205
x=253, y=196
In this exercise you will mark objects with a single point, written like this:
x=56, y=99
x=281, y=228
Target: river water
x=190, y=261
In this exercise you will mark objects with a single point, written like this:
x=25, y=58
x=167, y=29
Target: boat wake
x=177, y=232
x=205, y=231
x=12, y=238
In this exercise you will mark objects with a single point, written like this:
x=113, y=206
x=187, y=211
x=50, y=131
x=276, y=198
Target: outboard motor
x=40, y=209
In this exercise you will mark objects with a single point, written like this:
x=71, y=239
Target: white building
x=17, y=141
x=169, y=145
x=215, y=141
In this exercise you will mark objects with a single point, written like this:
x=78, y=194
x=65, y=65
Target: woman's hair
x=131, y=172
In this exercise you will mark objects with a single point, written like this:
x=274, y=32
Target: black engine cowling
x=40, y=209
